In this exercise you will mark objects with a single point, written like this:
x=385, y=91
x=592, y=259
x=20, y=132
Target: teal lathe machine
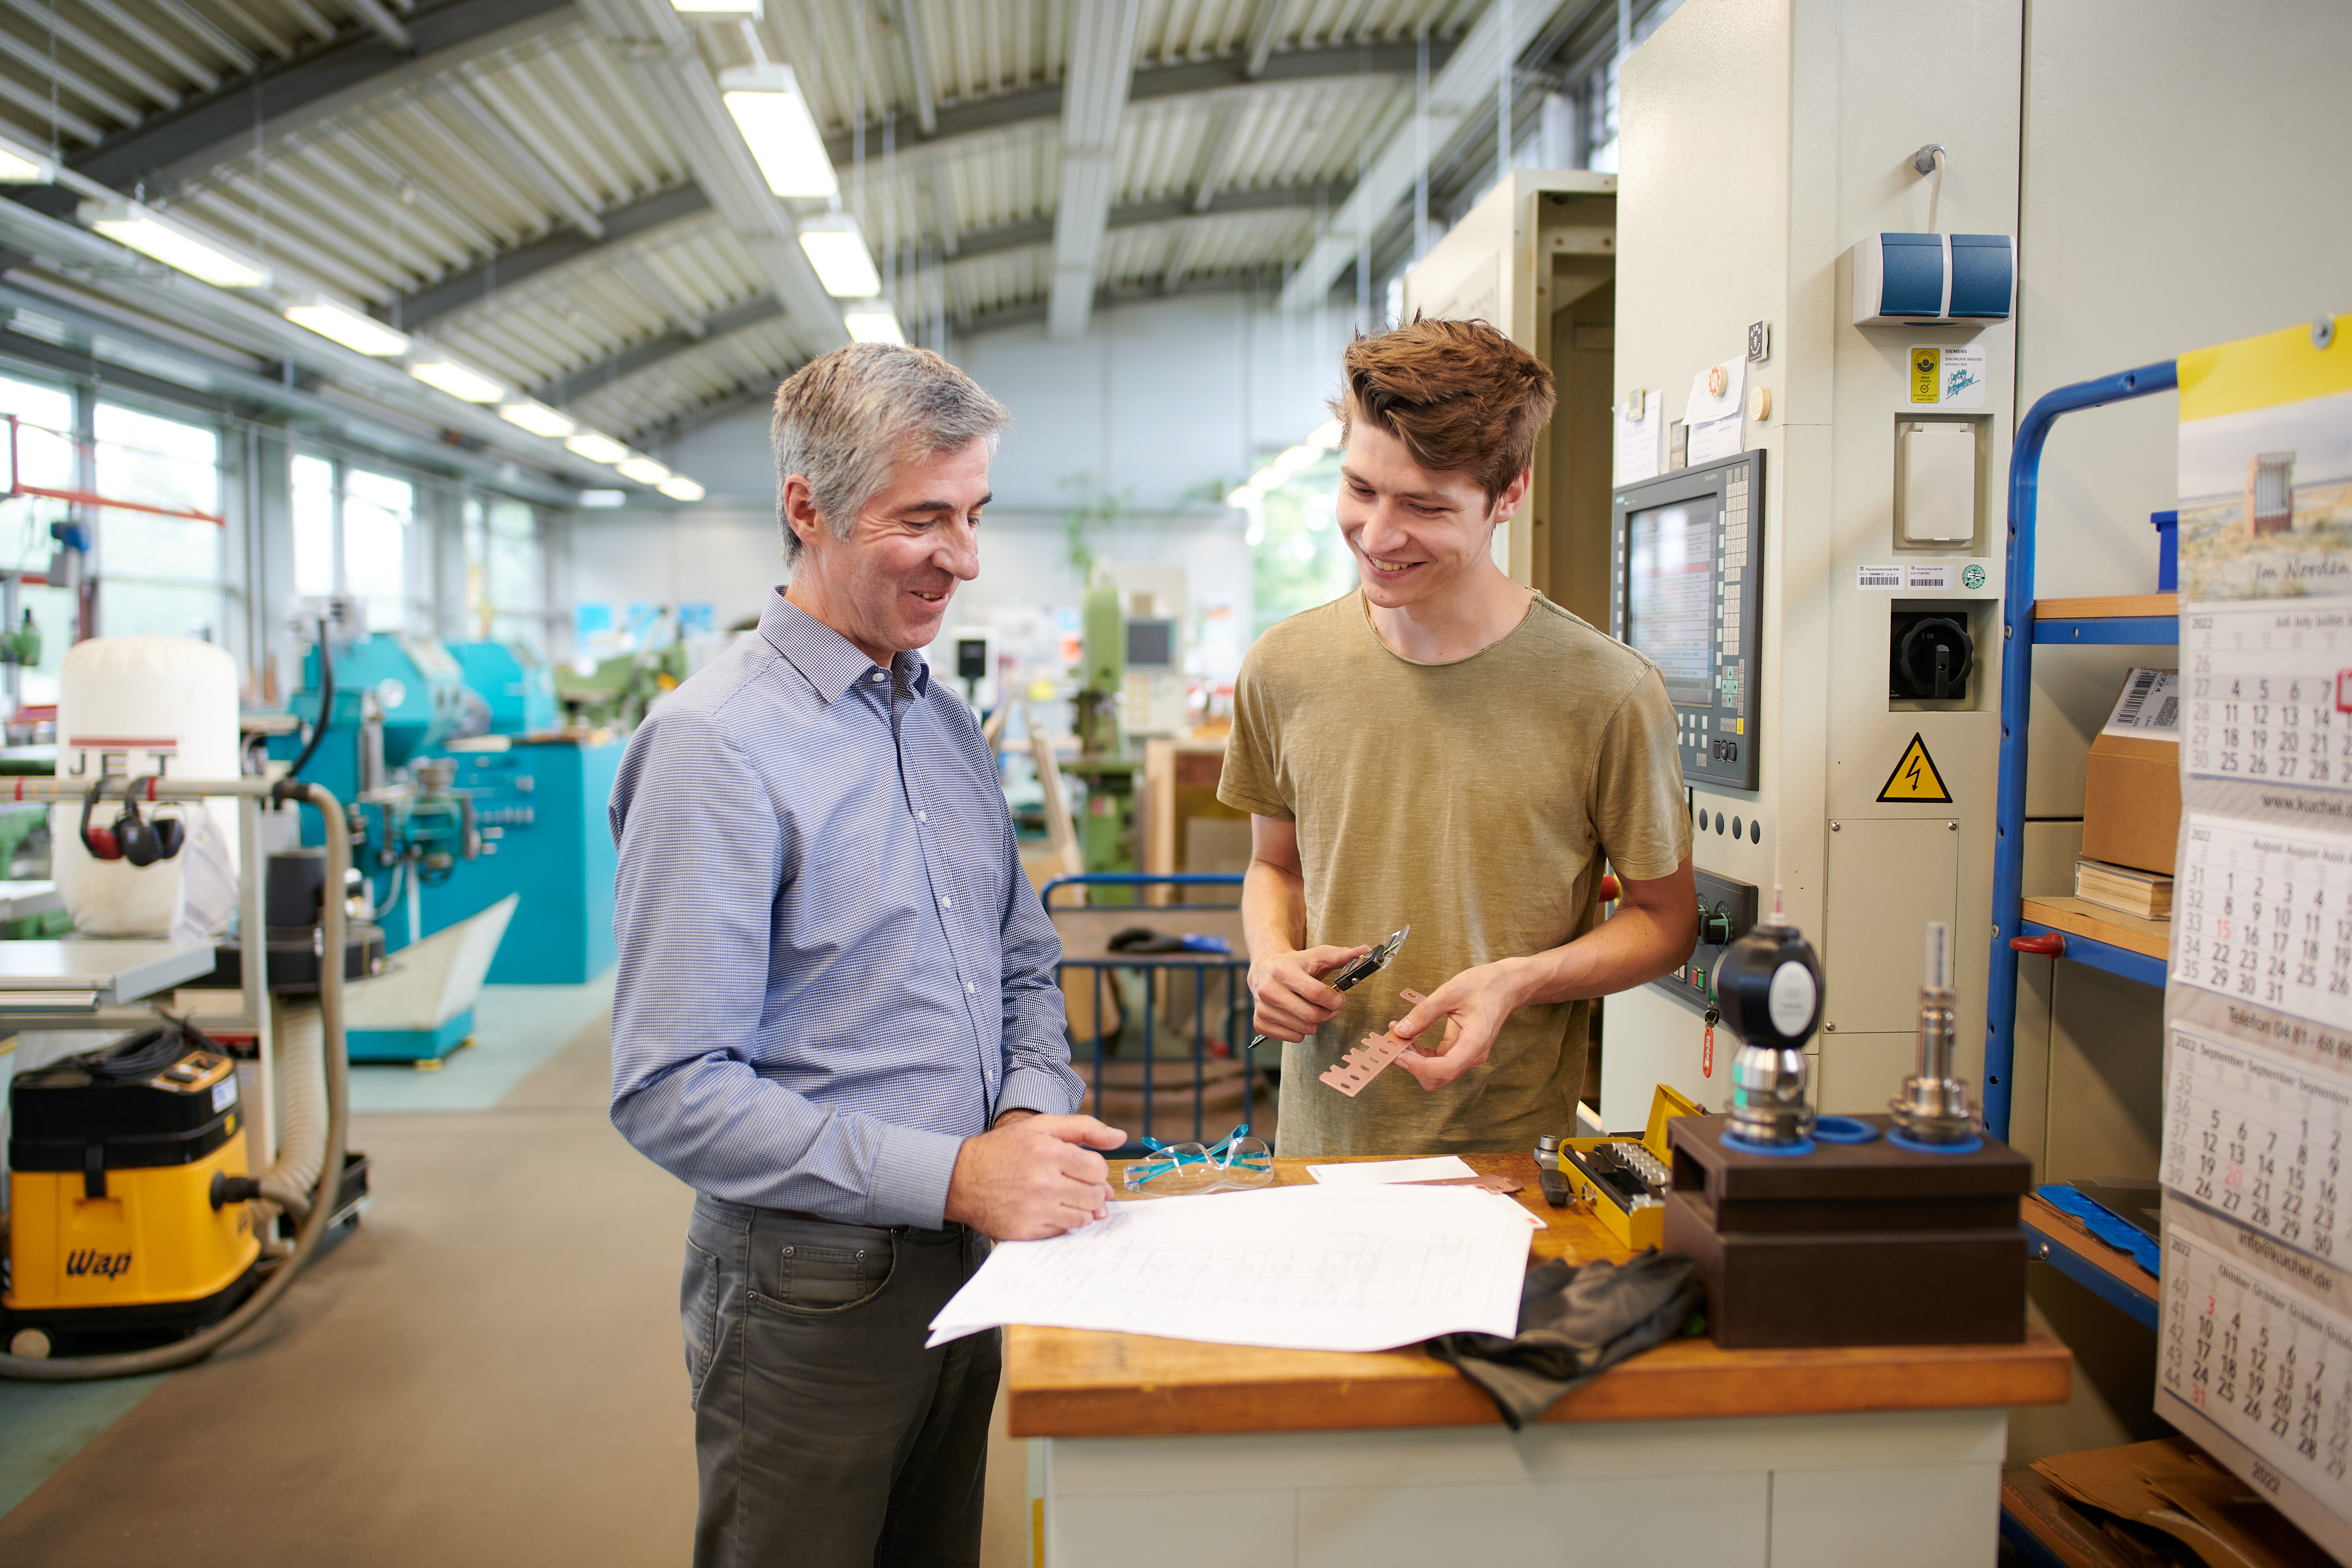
x=467, y=792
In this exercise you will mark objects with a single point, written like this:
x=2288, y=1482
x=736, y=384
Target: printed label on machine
x=2263, y=683
x=2253, y=1133
x=1952, y=376
x=2260, y=1356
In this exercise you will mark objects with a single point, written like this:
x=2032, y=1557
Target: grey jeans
x=827, y=1436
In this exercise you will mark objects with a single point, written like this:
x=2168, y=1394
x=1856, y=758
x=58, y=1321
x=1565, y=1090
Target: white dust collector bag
x=138, y=706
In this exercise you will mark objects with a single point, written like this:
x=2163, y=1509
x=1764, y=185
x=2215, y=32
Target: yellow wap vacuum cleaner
x=128, y=1196
x=132, y=1213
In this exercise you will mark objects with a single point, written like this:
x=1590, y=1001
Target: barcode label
x=2150, y=707
x=1878, y=576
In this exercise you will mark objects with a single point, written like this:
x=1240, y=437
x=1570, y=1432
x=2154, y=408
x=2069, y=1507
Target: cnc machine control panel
x=1687, y=551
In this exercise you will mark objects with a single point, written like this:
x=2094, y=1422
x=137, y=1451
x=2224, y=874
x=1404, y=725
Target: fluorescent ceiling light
x=838, y=252
x=351, y=329
x=874, y=324
x=18, y=167
x=1326, y=434
x=678, y=487
x=1267, y=479
x=1296, y=457
x=595, y=448
x=775, y=123
x=601, y=498
x=644, y=470
x=129, y=224
x=536, y=418
x=1242, y=496
x=470, y=386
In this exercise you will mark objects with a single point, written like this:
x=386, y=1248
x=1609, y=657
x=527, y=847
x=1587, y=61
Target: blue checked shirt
x=832, y=969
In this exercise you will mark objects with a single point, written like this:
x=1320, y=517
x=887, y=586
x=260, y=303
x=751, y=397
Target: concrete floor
x=488, y=1369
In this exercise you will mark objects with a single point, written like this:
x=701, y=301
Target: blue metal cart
x=2021, y=628
x=1086, y=930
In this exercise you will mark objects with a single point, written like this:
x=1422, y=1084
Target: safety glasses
x=1181, y=1170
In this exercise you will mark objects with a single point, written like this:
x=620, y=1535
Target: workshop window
x=163, y=570
x=45, y=460
x=505, y=570
x=313, y=486
x=377, y=512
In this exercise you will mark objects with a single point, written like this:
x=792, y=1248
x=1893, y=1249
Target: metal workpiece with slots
x=1686, y=563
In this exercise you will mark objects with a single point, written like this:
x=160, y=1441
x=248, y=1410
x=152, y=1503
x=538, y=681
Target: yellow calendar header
x=2263, y=371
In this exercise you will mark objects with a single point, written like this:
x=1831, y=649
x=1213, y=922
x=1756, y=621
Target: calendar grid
x=2260, y=1137
x=2272, y=1370
x=2266, y=689
x=2264, y=914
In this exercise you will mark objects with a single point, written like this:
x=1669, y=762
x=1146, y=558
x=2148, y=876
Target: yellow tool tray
x=1643, y=1226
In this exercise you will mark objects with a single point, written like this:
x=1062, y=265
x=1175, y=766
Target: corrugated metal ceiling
x=447, y=174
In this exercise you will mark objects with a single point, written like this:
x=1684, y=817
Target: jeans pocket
x=698, y=1306
x=812, y=1281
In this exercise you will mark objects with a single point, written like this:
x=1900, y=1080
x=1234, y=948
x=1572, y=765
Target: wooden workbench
x=1687, y=1453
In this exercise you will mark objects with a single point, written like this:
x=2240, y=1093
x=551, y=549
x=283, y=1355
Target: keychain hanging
x=1707, y=1044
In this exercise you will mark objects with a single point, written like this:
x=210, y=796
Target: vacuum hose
x=326, y=705
x=324, y=1183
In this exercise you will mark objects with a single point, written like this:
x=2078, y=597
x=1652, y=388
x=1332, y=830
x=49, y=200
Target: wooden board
x=2107, y=607
x=2100, y=924
x=1069, y=1383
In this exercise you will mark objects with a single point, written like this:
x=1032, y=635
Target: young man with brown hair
x=1447, y=747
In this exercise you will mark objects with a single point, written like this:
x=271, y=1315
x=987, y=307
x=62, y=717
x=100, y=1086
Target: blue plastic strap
x=1783, y=1151
x=2106, y=1225
x=1902, y=1140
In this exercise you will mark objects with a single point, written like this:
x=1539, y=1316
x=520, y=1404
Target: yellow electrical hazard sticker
x=1927, y=376
x=1915, y=777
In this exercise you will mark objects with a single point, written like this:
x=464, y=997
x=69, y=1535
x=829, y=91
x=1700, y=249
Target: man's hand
x=1291, y=1002
x=1474, y=1005
x=1032, y=1177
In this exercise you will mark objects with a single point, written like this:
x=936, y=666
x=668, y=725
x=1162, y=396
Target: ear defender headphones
x=130, y=837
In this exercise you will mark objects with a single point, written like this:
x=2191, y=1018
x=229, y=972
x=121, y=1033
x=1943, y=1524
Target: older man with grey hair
x=836, y=1017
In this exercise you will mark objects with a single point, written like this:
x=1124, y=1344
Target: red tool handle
x=1610, y=887
x=2050, y=944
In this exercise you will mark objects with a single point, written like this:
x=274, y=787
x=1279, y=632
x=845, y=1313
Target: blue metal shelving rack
x=2021, y=629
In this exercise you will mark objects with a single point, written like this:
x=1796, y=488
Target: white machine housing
x=1765, y=149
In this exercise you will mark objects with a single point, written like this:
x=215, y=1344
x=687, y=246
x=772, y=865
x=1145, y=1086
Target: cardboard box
x=2131, y=796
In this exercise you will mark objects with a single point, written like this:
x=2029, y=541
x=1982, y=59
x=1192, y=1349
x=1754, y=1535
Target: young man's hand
x=1474, y=1006
x=1291, y=1002
x=1032, y=1177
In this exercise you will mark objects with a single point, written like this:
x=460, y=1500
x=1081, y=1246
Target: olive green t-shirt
x=1476, y=800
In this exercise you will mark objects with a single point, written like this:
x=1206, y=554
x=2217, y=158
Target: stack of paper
x=1297, y=1268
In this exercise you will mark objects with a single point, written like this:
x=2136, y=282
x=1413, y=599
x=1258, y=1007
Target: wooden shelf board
x=2152, y=938
x=2107, y=607
x=1067, y=1383
x=2064, y=1230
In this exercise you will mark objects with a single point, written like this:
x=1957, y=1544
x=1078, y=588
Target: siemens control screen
x=1687, y=551
x=1670, y=592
